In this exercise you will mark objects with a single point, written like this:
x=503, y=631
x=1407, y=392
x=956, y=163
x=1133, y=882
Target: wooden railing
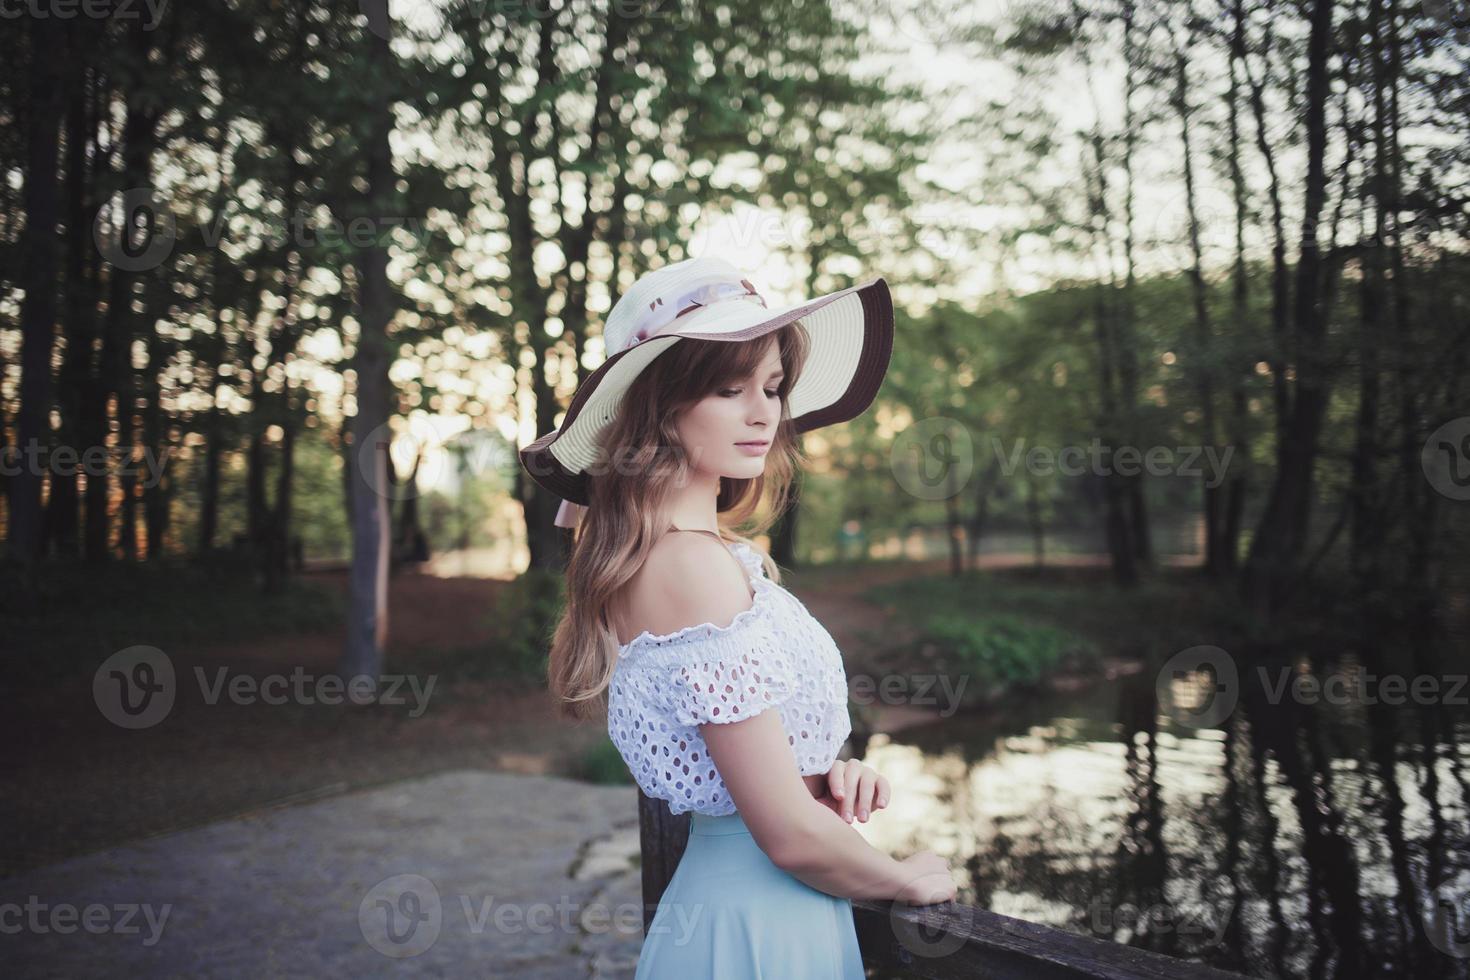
x=943, y=942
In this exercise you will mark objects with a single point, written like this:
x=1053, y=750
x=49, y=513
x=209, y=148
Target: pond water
x=1306, y=833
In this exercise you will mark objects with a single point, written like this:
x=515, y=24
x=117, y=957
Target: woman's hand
x=927, y=880
x=855, y=789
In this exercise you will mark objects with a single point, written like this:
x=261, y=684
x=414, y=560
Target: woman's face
x=744, y=411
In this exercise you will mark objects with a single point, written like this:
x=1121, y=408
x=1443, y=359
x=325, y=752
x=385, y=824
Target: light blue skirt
x=730, y=914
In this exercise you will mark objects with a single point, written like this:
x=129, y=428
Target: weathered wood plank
x=951, y=941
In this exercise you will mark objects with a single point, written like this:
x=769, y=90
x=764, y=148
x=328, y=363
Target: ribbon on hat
x=660, y=315
x=569, y=514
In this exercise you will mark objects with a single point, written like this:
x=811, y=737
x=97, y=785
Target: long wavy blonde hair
x=640, y=462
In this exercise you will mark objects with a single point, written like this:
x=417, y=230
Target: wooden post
x=662, y=837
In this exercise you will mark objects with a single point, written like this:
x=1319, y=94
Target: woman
x=681, y=630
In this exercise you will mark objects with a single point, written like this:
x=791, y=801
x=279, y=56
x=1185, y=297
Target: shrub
x=1007, y=649
x=602, y=764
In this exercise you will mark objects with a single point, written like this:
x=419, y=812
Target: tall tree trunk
x=1033, y=518
x=209, y=490
x=1238, y=426
x=277, y=551
x=116, y=367
x=783, y=534
x=1128, y=370
x=367, y=632
x=1203, y=368
x=100, y=381
x=980, y=515
x=38, y=309
x=1364, y=549
x=62, y=508
x=155, y=439
x=1282, y=533
x=1121, y=542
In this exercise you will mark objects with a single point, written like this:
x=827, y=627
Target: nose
x=766, y=412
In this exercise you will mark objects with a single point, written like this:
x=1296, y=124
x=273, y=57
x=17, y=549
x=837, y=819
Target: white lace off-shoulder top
x=772, y=655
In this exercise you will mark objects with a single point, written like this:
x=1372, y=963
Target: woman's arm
x=797, y=832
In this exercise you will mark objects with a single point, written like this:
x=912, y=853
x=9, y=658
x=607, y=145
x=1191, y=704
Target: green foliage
x=525, y=614
x=72, y=616
x=1006, y=649
x=522, y=617
x=602, y=764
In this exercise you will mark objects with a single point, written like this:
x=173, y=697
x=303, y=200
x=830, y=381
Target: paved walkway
x=464, y=873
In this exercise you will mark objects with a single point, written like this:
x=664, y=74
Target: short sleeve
x=730, y=675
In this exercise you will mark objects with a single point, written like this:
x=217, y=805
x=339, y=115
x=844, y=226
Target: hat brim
x=852, y=341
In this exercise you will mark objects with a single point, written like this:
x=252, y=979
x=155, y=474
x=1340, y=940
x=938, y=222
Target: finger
x=834, y=779
x=850, y=777
x=866, y=790
x=883, y=793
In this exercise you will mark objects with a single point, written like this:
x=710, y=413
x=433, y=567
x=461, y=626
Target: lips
x=756, y=443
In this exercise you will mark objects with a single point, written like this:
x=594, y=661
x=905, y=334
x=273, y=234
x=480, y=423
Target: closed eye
x=735, y=391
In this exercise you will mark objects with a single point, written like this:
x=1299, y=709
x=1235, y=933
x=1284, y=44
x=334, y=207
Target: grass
x=69, y=615
x=1166, y=609
x=1005, y=649
x=521, y=619
x=602, y=764
x=1013, y=629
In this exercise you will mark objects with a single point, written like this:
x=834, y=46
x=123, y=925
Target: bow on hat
x=660, y=317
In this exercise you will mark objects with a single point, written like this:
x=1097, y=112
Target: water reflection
x=1295, y=839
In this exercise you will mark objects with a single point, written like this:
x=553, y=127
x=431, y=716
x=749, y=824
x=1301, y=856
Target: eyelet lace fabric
x=773, y=655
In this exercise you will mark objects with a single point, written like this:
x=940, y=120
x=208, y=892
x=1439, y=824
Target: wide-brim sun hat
x=708, y=298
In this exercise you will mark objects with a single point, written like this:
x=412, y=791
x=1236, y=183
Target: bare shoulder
x=687, y=580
